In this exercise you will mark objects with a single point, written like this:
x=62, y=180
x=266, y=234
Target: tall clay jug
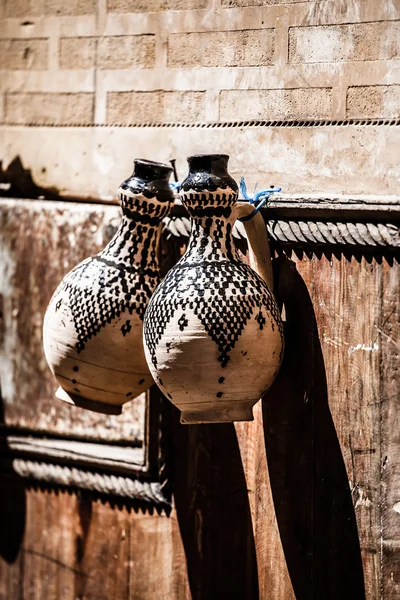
x=213, y=333
x=92, y=333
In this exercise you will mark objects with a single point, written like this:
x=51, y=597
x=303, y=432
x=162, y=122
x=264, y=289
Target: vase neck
x=135, y=245
x=210, y=241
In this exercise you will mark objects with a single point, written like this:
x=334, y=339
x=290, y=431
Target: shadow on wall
x=309, y=482
x=12, y=507
x=17, y=182
x=213, y=512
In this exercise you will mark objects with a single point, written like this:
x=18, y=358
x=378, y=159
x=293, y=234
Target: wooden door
x=303, y=502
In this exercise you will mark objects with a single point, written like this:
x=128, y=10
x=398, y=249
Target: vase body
x=92, y=332
x=213, y=334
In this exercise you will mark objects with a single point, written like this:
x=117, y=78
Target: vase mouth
x=208, y=172
x=150, y=170
x=216, y=164
x=149, y=179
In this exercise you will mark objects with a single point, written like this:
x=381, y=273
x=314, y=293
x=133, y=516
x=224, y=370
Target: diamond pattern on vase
x=97, y=293
x=226, y=295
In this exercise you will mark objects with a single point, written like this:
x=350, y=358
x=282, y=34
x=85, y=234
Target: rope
x=328, y=233
x=368, y=122
x=97, y=482
x=259, y=199
x=312, y=232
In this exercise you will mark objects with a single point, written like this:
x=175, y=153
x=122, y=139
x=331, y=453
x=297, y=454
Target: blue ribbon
x=259, y=199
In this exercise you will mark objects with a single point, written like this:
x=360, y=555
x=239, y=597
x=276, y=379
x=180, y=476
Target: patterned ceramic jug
x=213, y=333
x=92, y=333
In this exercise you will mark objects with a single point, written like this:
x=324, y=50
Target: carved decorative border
x=63, y=462
x=346, y=222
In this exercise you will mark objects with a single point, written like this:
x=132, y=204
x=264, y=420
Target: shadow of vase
x=213, y=512
x=309, y=482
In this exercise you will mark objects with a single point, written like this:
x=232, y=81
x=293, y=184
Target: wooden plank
x=39, y=242
x=119, y=458
x=335, y=207
x=347, y=307
x=324, y=475
x=72, y=547
x=388, y=334
x=156, y=549
x=213, y=512
x=273, y=575
x=49, y=546
x=287, y=435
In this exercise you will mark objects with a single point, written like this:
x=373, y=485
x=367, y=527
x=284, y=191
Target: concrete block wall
x=153, y=63
x=173, y=61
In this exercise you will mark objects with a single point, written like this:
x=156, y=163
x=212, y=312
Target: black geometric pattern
x=121, y=279
x=211, y=281
x=261, y=320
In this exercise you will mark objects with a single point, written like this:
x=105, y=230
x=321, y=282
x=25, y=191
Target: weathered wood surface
x=74, y=548
x=301, y=503
x=40, y=241
x=389, y=325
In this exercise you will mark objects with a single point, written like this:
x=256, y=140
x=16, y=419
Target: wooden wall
x=301, y=503
x=304, y=502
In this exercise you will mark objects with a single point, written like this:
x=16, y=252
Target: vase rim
x=216, y=164
x=161, y=170
x=208, y=156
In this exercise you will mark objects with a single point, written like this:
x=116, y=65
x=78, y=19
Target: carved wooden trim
x=353, y=222
x=102, y=483
x=318, y=233
x=105, y=469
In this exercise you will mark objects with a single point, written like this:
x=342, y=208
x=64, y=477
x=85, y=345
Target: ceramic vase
x=213, y=333
x=92, y=332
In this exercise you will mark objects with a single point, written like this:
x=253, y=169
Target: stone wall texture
x=228, y=60
x=195, y=63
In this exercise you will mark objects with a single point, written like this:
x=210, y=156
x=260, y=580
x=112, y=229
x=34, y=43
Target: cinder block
x=124, y=52
x=374, y=101
x=49, y=108
x=24, y=54
x=281, y=104
x=335, y=43
x=113, y=52
x=37, y=8
x=248, y=48
x=125, y=108
x=136, y=6
x=77, y=52
x=23, y=8
x=67, y=8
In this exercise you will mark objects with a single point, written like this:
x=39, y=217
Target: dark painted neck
x=135, y=245
x=210, y=241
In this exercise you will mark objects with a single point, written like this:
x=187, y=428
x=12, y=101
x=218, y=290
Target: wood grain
x=301, y=503
x=40, y=241
x=74, y=547
x=347, y=308
x=388, y=336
